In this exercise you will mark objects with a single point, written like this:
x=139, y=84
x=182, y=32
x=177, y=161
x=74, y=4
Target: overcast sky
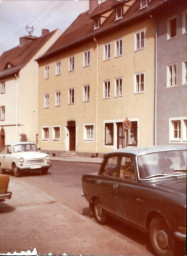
x=51, y=14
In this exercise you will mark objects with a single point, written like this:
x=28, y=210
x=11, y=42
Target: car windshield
x=162, y=164
x=24, y=148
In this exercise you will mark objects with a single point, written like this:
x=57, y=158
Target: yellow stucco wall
x=139, y=107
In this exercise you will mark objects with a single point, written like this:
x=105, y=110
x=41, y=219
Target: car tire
x=99, y=213
x=161, y=238
x=44, y=171
x=2, y=171
x=15, y=171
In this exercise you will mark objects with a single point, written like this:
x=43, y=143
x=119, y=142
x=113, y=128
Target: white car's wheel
x=45, y=171
x=99, y=213
x=161, y=237
x=2, y=171
x=15, y=170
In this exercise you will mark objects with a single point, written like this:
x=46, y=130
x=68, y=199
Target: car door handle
x=98, y=181
x=115, y=186
x=139, y=199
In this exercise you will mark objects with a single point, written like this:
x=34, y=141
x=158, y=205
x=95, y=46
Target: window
x=106, y=52
x=46, y=101
x=139, y=40
x=178, y=129
x=111, y=166
x=58, y=68
x=100, y=1
x=71, y=96
x=127, y=168
x=172, y=75
x=45, y=133
x=46, y=72
x=172, y=28
x=96, y=23
x=184, y=72
x=143, y=4
x=86, y=59
x=2, y=87
x=118, y=48
x=57, y=99
x=132, y=134
x=184, y=25
x=106, y=89
x=86, y=93
x=2, y=113
x=56, y=133
x=89, y=132
x=139, y=83
x=109, y=134
x=119, y=12
x=71, y=63
x=118, y=87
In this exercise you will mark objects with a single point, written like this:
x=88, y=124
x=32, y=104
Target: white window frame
x=86, y=93
x=44, y=138
x=184, y=72
x=119, y=13
x=54, y=133
x=57, y=99
x=138, y=86
x=172, y=75
x=46, y=100
x=86, y=58
x=181, y=130
x=46, y=72
x=143, y=4
x=169, y=28
x=139, y=43
x=2, y=87
x=106, y=89
x=101, y=1
x=118, y=48
x=71, y=63
x=71, y=96
x=96, y=23
x=2, y=113
x=90, y=133
x=118, y=87
x=106, y=51
x=58, y=68
x=184, y=22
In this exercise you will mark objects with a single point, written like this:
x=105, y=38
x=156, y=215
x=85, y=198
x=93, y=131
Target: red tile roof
x=20, y=55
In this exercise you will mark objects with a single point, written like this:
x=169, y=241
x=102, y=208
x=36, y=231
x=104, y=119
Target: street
x=48, y=213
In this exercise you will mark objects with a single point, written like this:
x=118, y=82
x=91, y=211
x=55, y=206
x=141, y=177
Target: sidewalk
x=79, y=159
x=32, y=219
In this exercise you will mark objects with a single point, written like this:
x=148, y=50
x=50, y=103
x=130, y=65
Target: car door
x=108, y=184
x=7, y=157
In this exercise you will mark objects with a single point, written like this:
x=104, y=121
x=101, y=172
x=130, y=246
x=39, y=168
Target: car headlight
x=47, y=158
x=21, y=160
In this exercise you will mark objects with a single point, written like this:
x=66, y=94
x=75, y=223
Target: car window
x=127, y=168
x=9, y=150
x=111, y=166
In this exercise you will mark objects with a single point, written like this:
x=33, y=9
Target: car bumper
x=34, y=167
x=180, y=236
x=7, y=195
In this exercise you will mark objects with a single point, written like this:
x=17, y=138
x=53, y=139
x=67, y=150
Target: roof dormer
x=96, y=23
x=8, y=65
x=119, y=12
x=143, y=4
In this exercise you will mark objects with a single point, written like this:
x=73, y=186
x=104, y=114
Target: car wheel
x=99, y=213
x=161, y=237
x=15, y=171
x=45, y=171
x=2, y=171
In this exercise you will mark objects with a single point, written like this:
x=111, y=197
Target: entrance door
x=72, y=138
x=2, y=138
x=121, y=143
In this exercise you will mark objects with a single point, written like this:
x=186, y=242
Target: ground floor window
x=132, y=134
x=45, y=133
x=109, y=130
x=56, y=133
x=88, y=132
x=178, y=129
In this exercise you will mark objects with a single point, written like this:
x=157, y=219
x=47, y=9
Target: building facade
x=19, y=88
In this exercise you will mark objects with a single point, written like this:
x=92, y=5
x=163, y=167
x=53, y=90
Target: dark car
x=145, y=187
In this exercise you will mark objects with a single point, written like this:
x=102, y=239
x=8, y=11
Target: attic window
x=8, y=65
x=143, y=4
x=100, y=1
x=119, y=12
x=96, y=23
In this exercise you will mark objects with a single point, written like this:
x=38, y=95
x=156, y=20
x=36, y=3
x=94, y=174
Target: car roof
x=147, y=150
x=20, y=143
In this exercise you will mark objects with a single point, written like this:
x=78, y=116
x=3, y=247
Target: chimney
x=45, y=31
x=92, y=4
x=26, y=39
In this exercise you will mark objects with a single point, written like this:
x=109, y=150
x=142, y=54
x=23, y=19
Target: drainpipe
x=16, y=107
x=97, y=94
x=156, y=81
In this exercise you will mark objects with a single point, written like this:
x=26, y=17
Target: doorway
x=71, y=125
x=2, y=138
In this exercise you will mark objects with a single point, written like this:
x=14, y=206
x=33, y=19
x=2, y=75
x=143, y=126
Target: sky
x=16, y=15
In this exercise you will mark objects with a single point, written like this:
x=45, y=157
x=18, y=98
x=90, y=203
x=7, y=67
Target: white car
x=23, y=156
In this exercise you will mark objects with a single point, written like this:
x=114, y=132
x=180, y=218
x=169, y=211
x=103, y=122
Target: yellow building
x=96, y=76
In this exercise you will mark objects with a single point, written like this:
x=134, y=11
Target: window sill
x=85, y=101
x=170, y=38
x=140, y=49
x=137, y=93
